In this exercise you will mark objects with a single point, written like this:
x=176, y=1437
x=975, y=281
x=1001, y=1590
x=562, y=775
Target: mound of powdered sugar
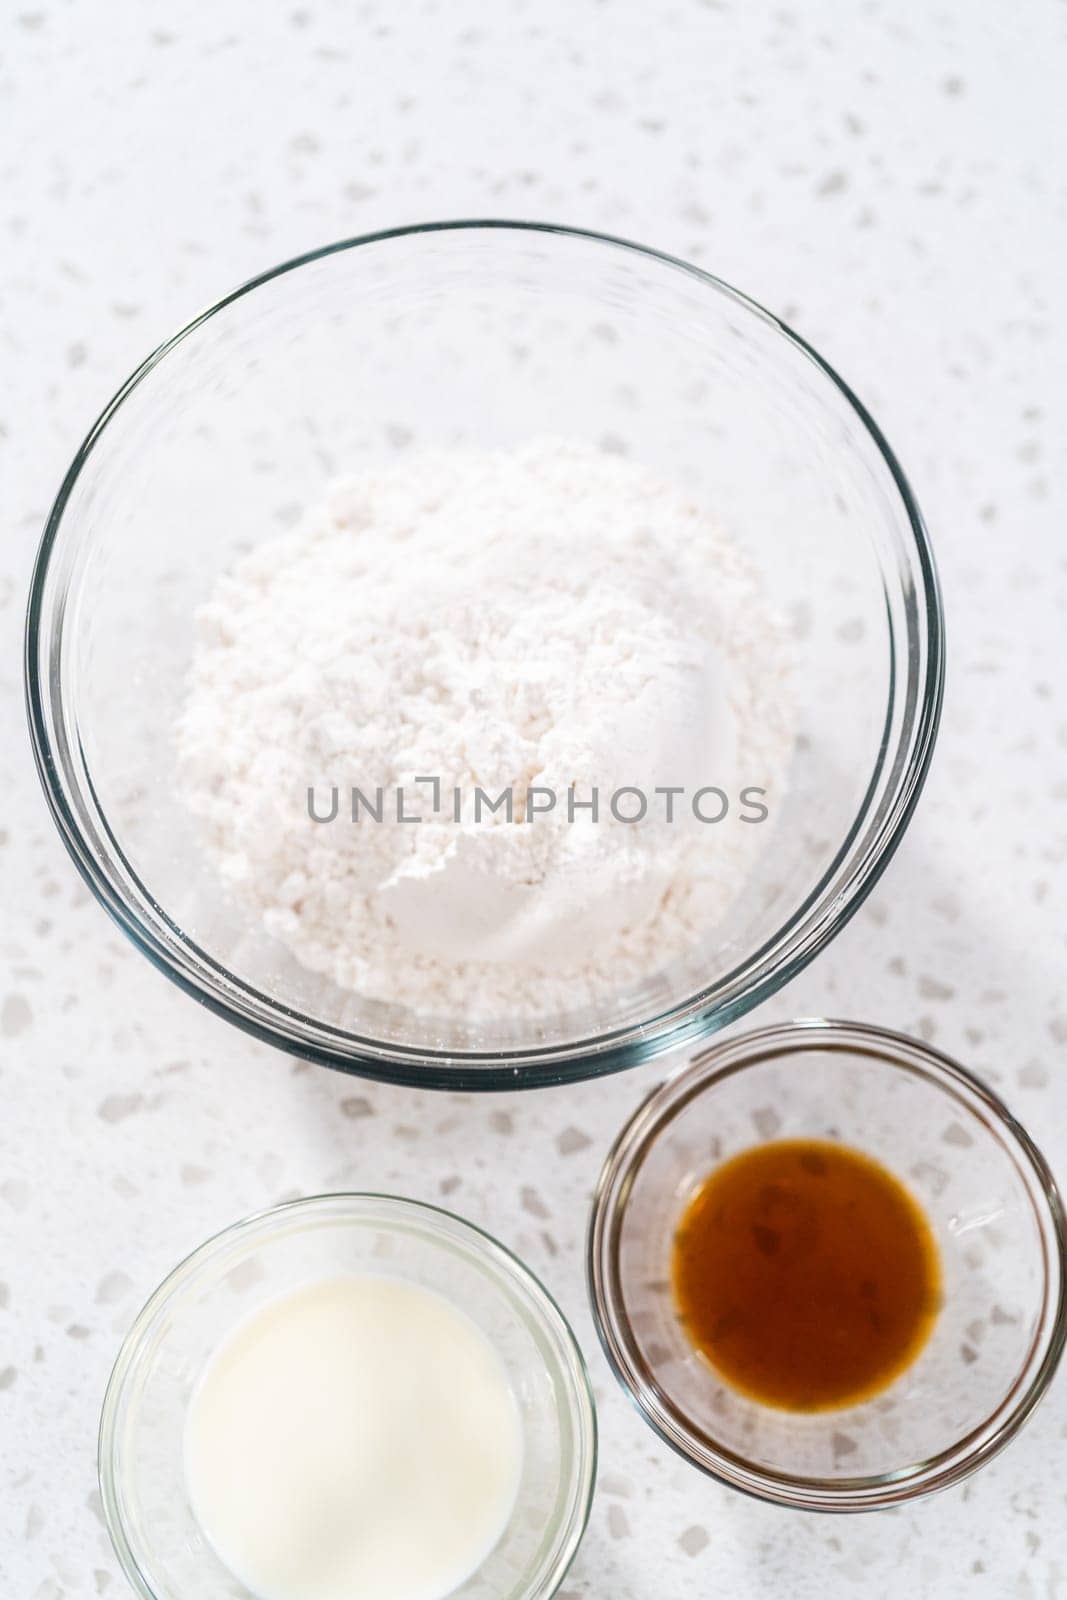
x=550, y=620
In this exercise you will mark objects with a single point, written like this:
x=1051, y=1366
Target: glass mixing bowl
x=158, y=1541
x=996, y=1217
x=483, y=335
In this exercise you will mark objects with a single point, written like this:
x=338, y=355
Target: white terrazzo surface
x=888, y=176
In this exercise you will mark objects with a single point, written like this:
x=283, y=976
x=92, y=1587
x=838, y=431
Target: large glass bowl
x=483, y=335
x=164, y=1552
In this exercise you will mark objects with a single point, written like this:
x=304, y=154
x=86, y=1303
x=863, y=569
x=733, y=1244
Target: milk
x=356, y=1439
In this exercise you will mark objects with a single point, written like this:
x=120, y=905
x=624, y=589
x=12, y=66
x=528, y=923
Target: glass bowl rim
x=709, y=1068
x=507, y=1268
x=761, y=974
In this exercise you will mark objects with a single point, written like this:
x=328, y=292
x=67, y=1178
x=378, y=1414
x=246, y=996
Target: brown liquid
x=806, y=1274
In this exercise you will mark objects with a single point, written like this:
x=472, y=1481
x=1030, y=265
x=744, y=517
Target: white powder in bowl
x=547, y=617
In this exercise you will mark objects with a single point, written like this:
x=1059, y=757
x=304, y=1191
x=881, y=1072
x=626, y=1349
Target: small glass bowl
x=157, y=1539
x=991, y=1202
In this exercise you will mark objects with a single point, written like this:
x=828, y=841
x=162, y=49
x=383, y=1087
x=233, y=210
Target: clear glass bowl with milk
x=306, y=1402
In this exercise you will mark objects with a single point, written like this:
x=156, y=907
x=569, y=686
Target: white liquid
x=354, y=1440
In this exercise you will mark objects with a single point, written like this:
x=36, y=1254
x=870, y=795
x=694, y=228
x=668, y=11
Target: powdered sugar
x=551, y=617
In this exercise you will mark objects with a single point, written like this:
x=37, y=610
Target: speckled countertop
x=886, y=175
